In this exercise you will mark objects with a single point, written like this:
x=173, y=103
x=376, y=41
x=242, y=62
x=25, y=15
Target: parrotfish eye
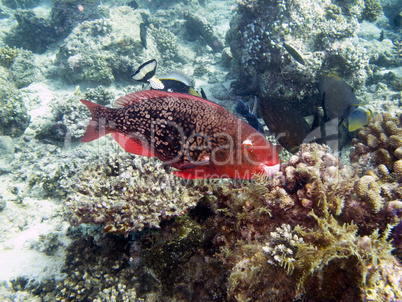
x=247, y=145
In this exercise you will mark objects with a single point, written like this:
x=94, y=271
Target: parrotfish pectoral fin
x=198, y=173
x=131, y=146
x=94, y=130
x=194, y=164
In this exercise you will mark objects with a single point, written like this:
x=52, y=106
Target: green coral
x=371, y=10
x=8, y=55
x=20, y=3
x=13, y=114
x=340, y=243
x=165, y=41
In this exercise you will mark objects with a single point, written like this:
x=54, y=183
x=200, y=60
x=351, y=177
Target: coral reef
x=126, y=193
x=372, y=8
x=8, y=55
x=99, y=51
x=13, y=114
x=67, y=123
x=65, y=16
x=23, y=69
x=307, y=233
x=165, y=41
x=283, y=247
x=32, y=32
x=20, y=63
x=99, y=95
x=379, y=143
x=325, y=220
x=319, y=229
x=321, y=33
x=197, y=26
x=20, y=3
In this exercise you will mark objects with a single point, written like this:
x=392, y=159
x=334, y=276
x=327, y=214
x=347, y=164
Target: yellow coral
x=368, y=190
x=398, y=168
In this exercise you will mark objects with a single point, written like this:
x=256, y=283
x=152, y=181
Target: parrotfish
x=172, y=82
x=193, y=135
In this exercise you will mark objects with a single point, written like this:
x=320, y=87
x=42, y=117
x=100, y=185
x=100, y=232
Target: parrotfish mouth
x=269, y=170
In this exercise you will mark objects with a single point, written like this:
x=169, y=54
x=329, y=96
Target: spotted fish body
x=191, y=134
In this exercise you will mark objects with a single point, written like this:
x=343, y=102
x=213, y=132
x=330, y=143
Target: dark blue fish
x=250, y=116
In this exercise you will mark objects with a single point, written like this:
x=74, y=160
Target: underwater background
x=92, y=222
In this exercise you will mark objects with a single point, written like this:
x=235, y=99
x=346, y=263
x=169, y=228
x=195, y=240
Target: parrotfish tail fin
x=94, y=130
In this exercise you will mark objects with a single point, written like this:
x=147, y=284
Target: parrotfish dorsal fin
x=133, y=98
x=144, y=95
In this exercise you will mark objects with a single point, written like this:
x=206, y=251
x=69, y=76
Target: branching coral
x=165, y=41
x=334, y=242
x=314, y=227
x=371, y=10
x=125, y=193
x=379, y=143
x=14, y=117
x=283, y=246
x=8, y=55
